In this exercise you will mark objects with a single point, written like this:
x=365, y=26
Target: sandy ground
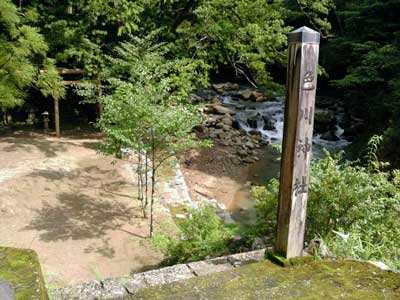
x=216, y=174
x=73, y=206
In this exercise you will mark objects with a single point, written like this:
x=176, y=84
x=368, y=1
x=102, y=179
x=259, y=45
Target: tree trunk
x=153, y=180
x=146, y=179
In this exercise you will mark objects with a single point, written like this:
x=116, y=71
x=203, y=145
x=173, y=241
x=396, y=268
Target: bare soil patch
x=218, y=174
x=73, y=206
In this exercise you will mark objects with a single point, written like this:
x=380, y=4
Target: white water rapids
x=267, y=117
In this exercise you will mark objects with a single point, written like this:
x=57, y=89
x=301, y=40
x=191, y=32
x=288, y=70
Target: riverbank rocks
x=222, y=110
x=251, y=95
x=221, y=126
x=227, y=86
x=242, y=143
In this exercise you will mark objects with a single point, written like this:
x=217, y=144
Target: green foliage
x=317, y=13
x=247, y=35
x=50, y=82
x=147, y=105
x=346, y=198
x=146, y=108
x=363, y=62
x=20, y=47
x=201, y=235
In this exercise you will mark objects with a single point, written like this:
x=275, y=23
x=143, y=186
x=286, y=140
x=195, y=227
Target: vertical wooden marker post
x=301, y=85
x=56, y=115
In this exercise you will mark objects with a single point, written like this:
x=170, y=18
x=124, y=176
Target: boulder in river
x=324, y=120
x=329, y=136
x=245, y=94
x=221, y=87
x=222, y=110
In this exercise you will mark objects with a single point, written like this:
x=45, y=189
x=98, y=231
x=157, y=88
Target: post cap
x=45, y=113
x=304, y=35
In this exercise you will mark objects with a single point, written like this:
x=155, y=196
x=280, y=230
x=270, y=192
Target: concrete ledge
x=120, y=288
x=21, y=274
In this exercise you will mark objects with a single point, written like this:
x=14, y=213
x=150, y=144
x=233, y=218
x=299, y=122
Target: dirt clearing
x=73, y=206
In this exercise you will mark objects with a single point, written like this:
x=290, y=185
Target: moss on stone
x=310, y=279
x=22, y=269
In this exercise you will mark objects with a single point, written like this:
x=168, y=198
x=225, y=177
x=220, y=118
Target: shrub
x=346, y=198
x=202, y=234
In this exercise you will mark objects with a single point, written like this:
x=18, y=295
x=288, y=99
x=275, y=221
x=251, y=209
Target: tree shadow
x=105, y=249
x=78, y=217
x=47, y=147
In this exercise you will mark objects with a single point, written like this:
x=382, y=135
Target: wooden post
x=56, y=116
x=301, y=84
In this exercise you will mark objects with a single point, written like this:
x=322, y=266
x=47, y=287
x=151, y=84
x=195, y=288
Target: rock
x=225, y=143
x=252, y=123
x=202, y=268
x=260, y=243
x=268, y=125
x=200, y=128
x=21, y=267
x=219, y=109
x=227, y=120
x=221, y=87
x=245, y=94
x=235, y=124
x=250, y=145
x=255, y=133
x=380, y=265
x=195, y=98
x=206, y=93
x=257, y=96
x=329, y=136
x=219, y=125
x=180, y=216
x=317, y=247
x=167, y=275
x=6, y=291
x=242, y=152
x=235, y=160
x=226, y=127
x=248, y=160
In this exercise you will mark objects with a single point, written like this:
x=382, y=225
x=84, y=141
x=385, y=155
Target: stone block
x=167, y=275
x=7, y=291
x=21, y=269
x=246, y=258
x=214, y=265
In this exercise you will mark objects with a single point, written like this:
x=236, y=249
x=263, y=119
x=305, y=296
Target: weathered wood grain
x=297, y=143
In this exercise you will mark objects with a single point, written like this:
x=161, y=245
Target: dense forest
x=240, y=39
x=147, y=56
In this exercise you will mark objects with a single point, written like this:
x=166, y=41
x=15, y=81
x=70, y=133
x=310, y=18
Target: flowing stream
x=267, y=117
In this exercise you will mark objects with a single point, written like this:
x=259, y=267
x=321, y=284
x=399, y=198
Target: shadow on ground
x=77, y=216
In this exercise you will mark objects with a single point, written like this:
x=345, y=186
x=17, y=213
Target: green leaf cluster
x=21, y=49
x=201, y=235
x=146, y=102
x=246, y=35
x=347, y=198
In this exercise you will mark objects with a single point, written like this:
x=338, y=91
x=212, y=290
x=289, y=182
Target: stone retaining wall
x=118, y=288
